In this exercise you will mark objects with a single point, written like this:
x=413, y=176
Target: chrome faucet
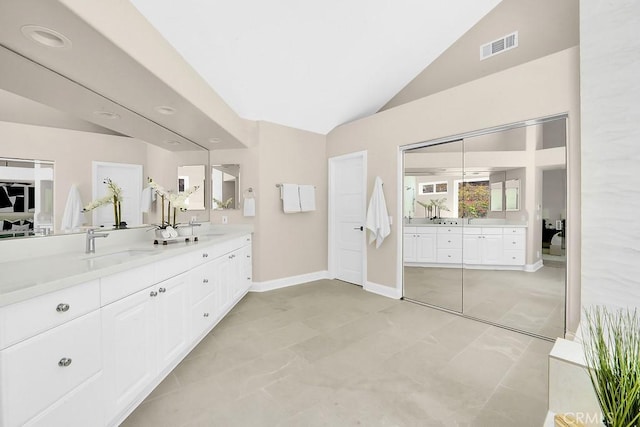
x=91, y=240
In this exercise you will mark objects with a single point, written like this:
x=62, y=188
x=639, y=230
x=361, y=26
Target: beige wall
x=285, y=245
x=544, y=27
x=544, y=87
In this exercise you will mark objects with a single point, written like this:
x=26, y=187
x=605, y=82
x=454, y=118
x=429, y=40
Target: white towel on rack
x=377, y=215
x=249, y=208
x=307, y=198
x=146, y=199
x=290, y=198
x=72, y=217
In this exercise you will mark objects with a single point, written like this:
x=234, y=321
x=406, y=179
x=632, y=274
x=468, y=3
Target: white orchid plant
x=113, y=196
x=175, y=201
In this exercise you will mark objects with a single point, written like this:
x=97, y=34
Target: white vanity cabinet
x=482, y=246
x=420, y=244
x=449, y=245
x=50, y=348
x=88, y=354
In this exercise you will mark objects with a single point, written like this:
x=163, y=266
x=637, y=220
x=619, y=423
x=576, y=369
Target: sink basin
x=116, y=257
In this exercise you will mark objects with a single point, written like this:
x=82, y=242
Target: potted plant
x=612, y=352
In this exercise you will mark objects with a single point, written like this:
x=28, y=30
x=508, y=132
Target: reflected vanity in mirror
x=225, y=186
x=26, y=197
x=494, y=250
x=189, y=177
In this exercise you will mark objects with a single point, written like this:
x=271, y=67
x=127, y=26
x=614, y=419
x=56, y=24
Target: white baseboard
x=531, y=268
x=284, y=282
x=385, y=291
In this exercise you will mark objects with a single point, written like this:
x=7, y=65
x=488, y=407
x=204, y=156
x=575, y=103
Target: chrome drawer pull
x=162, y=290
x=205, y=255
x=205, y=280
x=206, y=315
x=64, y=362
x=248, y=256
x=153, y=294
x=61, y=308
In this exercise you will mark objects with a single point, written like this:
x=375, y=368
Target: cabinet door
x=472, y=249
x=129, y=341
x=492, y=249
x=172, y=325
x=426, y=247
x=410, y=253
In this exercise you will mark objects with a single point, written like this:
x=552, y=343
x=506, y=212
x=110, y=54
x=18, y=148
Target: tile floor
x=532, y=302
x=328, y=353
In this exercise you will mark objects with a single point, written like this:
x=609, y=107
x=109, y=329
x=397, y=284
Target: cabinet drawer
x=514, y=231
x=450, y=241
x=449, y=230
x=515, y=242
x=204, y=315
x=491, y=230
x=513, y=258
x=426, y=230
x=81, y=407
x=449, y=256
x=120, y=285
x=172, y=267
x=409, y=230
x=472, y=230
x=33, y=372
x=27, y=318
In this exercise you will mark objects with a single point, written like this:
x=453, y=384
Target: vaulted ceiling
x=312, y=65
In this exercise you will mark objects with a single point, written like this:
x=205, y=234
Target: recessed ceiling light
x=214, y=140
x=173, y=142
x=46, y=36
x=166, y=110
x=106, y=115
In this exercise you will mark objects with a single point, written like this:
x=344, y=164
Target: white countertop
x=469, y=225
x=27, y=278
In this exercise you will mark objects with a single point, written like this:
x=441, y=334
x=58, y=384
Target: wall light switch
x=225, y=219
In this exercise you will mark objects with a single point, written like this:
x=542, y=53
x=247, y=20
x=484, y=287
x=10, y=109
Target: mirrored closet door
x=485, y=224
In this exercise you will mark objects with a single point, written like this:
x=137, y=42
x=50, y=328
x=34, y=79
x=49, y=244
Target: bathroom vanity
x=495, y=246
x=83, y=343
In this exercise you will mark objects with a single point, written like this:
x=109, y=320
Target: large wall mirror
x=491, y=244
x=74, y=145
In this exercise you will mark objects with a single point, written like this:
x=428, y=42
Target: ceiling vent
x=500, y=45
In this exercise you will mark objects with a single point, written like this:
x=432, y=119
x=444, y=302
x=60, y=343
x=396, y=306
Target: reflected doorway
x=488, y=242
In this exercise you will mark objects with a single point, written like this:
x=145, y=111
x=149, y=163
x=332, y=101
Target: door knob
x=361, y=228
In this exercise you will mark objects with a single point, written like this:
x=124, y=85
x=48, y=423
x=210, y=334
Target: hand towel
x=72, y=217
x=307, y=198
x=377, y=215
x=249, y=207
x=290, y=198
x=146, y=199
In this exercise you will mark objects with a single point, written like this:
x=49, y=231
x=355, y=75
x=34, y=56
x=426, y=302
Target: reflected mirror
x=188, y=178
x=512, y=195
x=493, y=246
x=496, y=197
x=225, y=186
x=26, y=197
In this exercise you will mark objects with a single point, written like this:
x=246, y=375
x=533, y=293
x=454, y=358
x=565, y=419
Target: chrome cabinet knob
x=248, y=239
x=153, y=294
x=61, y=308
x=205, y=255
x=205, y=280
x=248, y=256
x=162, y=290
x=64, y=362
x=248, y=278
x=206, y=315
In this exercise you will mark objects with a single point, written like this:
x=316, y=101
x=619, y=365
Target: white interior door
x=347, y=216
x=129, y=178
